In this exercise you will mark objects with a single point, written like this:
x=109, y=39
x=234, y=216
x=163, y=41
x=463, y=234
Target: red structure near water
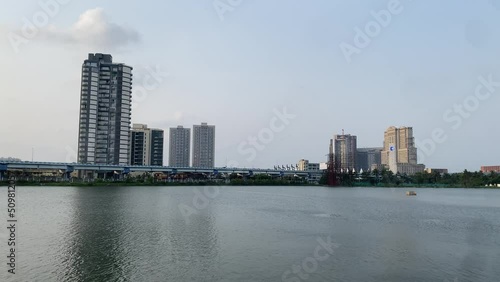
x=332, y=179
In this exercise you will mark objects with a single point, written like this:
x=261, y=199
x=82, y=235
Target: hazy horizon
x=235, y=64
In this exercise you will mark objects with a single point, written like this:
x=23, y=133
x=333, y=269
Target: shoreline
x=178, y=184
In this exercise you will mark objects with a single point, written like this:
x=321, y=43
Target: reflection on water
x=475, y=265
x=255, y=234
x=94, y=249
x=117, y=233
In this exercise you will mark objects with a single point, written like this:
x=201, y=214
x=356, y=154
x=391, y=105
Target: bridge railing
x=4, y=165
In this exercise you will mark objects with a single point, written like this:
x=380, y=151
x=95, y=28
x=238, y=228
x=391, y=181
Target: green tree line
x=465, y=179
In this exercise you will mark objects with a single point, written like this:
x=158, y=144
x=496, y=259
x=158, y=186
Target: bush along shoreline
x=386, y=178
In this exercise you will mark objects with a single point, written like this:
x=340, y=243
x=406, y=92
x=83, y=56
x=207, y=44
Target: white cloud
x=94, y=29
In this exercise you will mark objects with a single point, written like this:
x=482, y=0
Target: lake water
x=253, y=234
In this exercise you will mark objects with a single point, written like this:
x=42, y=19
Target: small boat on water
x=411, y=193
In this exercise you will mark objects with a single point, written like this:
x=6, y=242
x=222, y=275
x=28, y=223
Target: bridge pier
x=67, y=173
x=86, y=175
x=3, y=171
x=124, y=173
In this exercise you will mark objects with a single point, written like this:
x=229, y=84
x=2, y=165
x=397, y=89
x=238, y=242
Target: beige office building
x=404, y=145
x=437, y=170
x=304, y=165
x=400, y=153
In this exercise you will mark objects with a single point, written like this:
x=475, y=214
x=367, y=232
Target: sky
x=277, y=78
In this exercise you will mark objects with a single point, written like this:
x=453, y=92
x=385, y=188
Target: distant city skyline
x=438, y=75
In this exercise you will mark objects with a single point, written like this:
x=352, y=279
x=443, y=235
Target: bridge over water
x=68, y=168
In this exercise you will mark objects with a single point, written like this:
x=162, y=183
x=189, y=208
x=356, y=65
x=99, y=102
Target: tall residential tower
x=345, y=151
x=105, y=112
x=146, y=146
x=203, y=146
x=179, y=147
